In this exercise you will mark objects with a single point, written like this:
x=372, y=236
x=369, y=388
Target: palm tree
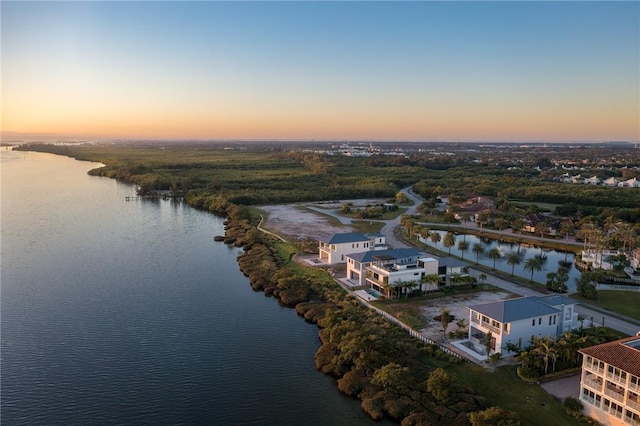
x=494, y=254
x=482, y=277
x=455, y=278
x=424, y=233
x=449, y=240
x=513, y=259
x=463, y=246
x=477, y=249
x=430, y=279
x=517, y=224
x=407, y=223
x=410, y=286
x=445, y=317
x=435, y=238
x=533, y=264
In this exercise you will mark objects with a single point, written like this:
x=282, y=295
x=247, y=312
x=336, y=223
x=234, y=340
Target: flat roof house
x=515, y=321
x=335, y=248
x=610, y=382
x=387, y=270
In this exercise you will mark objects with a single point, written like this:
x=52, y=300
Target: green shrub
x=572, y=406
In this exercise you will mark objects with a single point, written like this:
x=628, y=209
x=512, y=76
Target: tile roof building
x=610, y=382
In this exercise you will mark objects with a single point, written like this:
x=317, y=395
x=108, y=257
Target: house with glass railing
x=610, y=382
x=393, y=272
x=515, y=321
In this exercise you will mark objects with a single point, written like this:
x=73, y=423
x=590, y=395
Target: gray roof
x=450, y=262
x=349, y=237
x=556, y=300
x=372, y=255
x=515, y=309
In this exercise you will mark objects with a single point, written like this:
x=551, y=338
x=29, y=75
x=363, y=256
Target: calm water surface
x=118, y=312
x=551, y=264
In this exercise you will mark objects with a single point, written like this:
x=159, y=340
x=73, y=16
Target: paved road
x=618, y=322
x=389, y=228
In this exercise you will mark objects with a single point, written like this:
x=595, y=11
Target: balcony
x=617, y=379
x=593, y=384
x=595, y=368
x=633, y=404
x=614, y=394
x=591, y=401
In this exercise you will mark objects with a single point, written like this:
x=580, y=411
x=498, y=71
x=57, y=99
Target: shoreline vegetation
x=392, y=374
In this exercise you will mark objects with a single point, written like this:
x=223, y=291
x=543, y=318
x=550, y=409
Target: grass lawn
x=504, y=388
x=367, y=226
x=623, y=302
x=548, y=207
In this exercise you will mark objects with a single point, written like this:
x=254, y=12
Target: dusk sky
x=424, y=71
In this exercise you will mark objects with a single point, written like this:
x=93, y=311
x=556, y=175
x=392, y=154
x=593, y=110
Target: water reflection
x=552, y=259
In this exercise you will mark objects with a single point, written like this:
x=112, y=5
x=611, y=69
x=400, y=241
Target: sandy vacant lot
x=299, y=221
x=457, y=307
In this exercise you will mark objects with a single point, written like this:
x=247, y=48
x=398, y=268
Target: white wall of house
x=355, y=271
x=336, y=253
x=516, y=332
x=609, y=395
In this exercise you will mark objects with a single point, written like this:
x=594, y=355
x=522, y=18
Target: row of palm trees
x=532, y=264
x=546, y=355
x=427, y=283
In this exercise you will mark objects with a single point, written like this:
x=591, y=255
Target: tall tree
x=449, y=240
x=477, y=249
x=463, y=246
x=533, y=264
x=494, y=254
x=435, y=238
x=445, y=318
x=513, y=259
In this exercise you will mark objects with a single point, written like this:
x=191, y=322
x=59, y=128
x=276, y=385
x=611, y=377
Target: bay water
x=127, y=312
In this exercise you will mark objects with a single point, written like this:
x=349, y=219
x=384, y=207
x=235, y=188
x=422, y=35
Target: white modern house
x=631, y=183
x=610, y=182
x=385, y=270
x=448, y=266
x=515, y=321
x=610, y=382
x=335, y=248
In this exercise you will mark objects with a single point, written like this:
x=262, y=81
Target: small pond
x=551, y=264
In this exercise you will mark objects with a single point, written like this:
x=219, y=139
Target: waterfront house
x=387, y=271
x=515, y=321
x=334, y=249
x=610, y=382
x=448, y=266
